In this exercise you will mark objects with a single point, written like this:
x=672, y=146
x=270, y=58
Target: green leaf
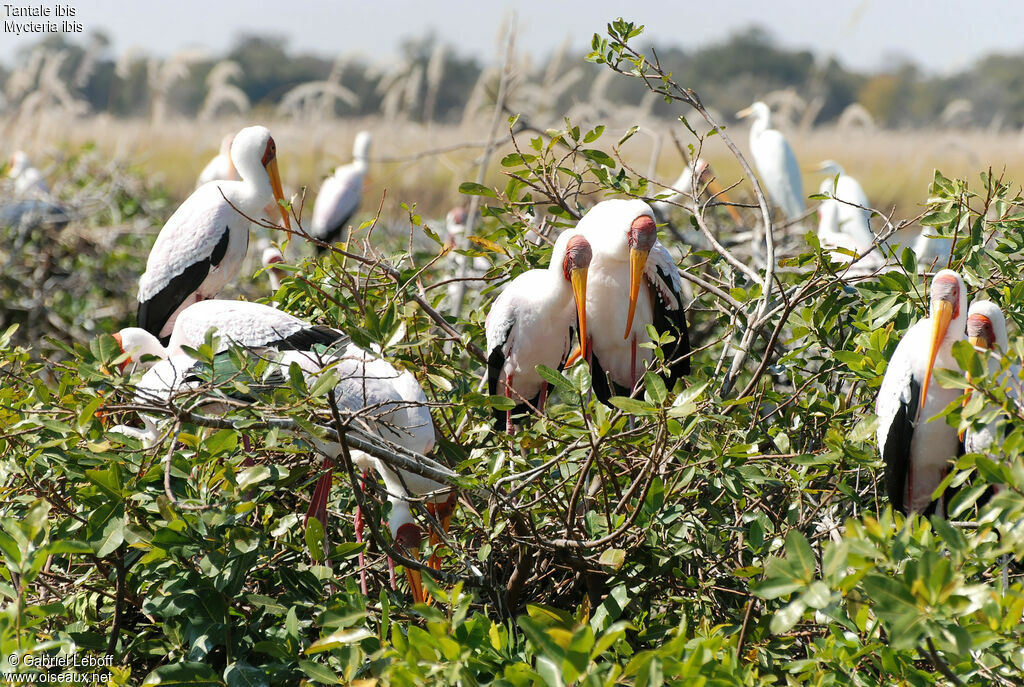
x=798, y=552
x=184, y=673
x=470, y=188
x=241, y=674
x=633, y=406
x=339, y=638
x=555, y=378
x=319, y=673
x=315, y=539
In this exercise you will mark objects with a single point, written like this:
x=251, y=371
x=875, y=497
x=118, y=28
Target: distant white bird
x=687, y=189
x=776, y=164
x=202, y=246
x=29, y=182
x=932, y=251
x=533, y=323
x=848, y=193
x=465, y=267
x=220, y=168
x=916, y=449
x=271, y=256
x=628, y=256
x=340, y=194
x=986, y=329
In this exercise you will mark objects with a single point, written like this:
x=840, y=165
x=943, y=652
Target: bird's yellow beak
x=942, y=315
x=578, y=278
x=275, y=184
x=745, y=112
x=637, y=264
x=415, y=580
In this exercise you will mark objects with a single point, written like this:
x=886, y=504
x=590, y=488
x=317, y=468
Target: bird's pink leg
x=543, y=396
x=508, y=414
x=318, y=502
x=358, y=524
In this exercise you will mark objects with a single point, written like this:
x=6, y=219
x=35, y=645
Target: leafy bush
x=729, y=530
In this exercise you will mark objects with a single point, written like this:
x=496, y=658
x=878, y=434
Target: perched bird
x=29, y=182
x=832, y=234
x=627, y=256
x=916, y=449
x=465, y=267
x=533, y=323
x=384, y=402
x=392, y=405
x=156, y=387
x=220, y=168
x=693, y=180
x=202, y=245
x=931, y=250
x=776, y=164
x=252, y=325
x=340, y=195
x=270, y=256
x=847, y=192
x=986, y=329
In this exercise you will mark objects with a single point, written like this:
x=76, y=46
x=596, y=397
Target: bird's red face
x=270, y=164
x=980, y=332
x=945, y=307
x=641, y=237
x=120, y=344
x=575, y=264
x=410, y=537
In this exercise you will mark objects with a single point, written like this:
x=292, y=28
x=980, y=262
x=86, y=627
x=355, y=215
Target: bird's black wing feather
x=221, y=249
x=896, y=452
x=672, y=320
x=333, y=233
x=316, y=338
x=154, y=313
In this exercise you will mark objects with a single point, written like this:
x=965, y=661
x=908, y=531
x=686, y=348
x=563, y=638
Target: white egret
x=776, y=164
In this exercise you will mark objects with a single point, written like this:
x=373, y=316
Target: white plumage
x=623, y=237
x=29, y=182
x=776, y=164
x=986, y=329
x=220, y=168
x=532, y=323
x=201, y=247
x=466, y=267
x=847, y=191
x=242, y=323
x=915, y=448
x=340, y=194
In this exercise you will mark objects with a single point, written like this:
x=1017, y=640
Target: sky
x=942, y=36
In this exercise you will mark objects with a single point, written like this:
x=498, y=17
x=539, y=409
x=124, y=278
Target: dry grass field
x=894, y=167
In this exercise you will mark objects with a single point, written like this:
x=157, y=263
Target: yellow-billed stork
x=628, y=256
x=201, y=247
x=340, y=194
x=533, y=322
x=917, y=450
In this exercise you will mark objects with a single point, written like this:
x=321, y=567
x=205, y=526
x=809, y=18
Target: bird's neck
x=253, y=192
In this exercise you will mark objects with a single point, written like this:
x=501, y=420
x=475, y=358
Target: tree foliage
x=729, y=530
